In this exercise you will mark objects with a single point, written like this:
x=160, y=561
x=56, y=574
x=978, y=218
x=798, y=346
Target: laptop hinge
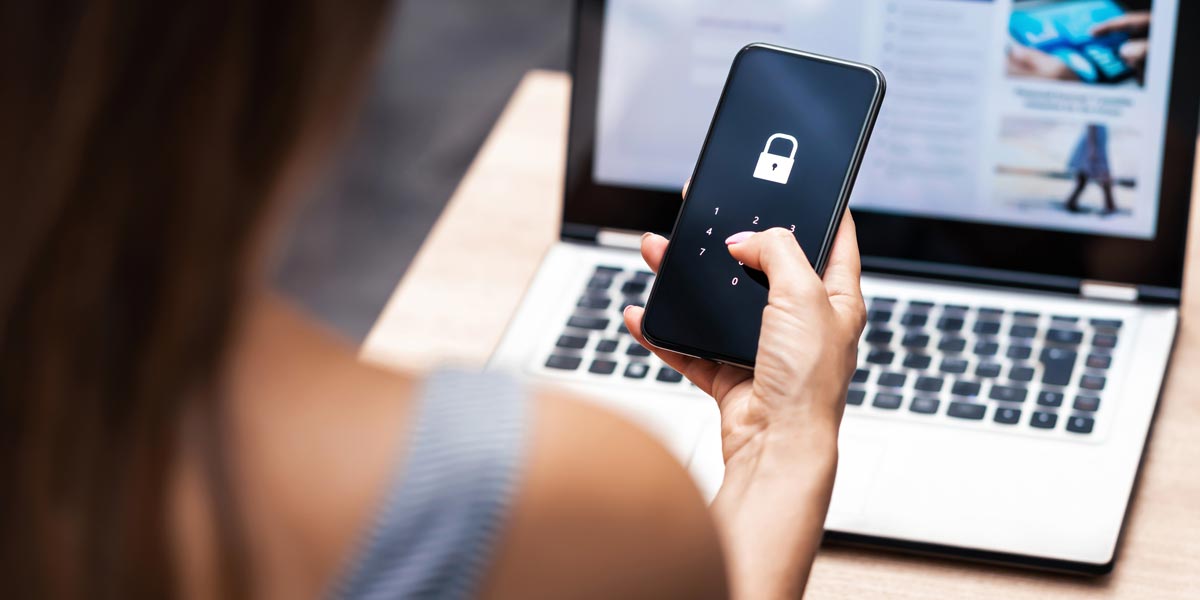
x=616, y=238
x=1106, y=290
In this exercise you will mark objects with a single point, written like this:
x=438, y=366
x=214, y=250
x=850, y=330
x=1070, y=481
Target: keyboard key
x=572, y=342
x=1048, y=398
x=860, y=376
x=876, y=315
x=603, y=367
x=855, y=397
x=1023, y=331
x=914, y=319
x=950, y=324
x=882, y=302
x=993, y=314
x=985, y=348
x=566, y=363
x=1026, y=315
x=633, y=287
x=669, y=375
x=952, y=344
x=881, y=357
x=599, y=282
x=989, y=369
x=1021, y=373
x=954, y=365
x=1106, y=323
x=607, y=270
x=606, y=346
x=1091, y=382
x=915, y=340
x=1087, y=403
x=1019, y=352
x=924, y=406
x=965, y=388
x=622, y=328
x=636, y=370
x=920, y=305
x=956, y=308
x=879, y=336
x=1064, y=318
x=1104, y=340
x=1098, y=361
x=594, y=302
x=987, y=327
x=892, y=379
x=636, y=349
x=1065, y=336
x=917, y=361
x=888, y=401
x=1043, y=420
x=1007, y=416
x=1008, y=393
x=929, y=384
x=1058, y=363
x=1080, y=424
x=581, y=322
x=643, y=275
x=966, y=410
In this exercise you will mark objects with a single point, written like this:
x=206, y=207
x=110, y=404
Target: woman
x=1089, y=162
x=171, y=428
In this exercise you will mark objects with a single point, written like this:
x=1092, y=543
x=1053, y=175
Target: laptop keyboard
x=595, y=339
x=1016, y=369
x=974, y=363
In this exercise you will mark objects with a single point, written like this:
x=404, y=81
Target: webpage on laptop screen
x=1048, y=114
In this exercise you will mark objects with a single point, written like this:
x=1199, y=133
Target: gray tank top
x=434, y=535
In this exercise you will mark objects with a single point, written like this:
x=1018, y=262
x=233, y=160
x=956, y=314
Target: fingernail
x=738, y=237
x=626, y=309
x=645, y=235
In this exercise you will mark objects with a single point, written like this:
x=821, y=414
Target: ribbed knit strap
x=435, y=534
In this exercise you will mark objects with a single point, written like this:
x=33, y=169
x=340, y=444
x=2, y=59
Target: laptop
x=1023, y=231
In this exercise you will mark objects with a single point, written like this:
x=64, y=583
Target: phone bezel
x=843, y=199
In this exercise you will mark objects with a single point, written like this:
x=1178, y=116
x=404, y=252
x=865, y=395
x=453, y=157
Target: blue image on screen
x=1063, y=30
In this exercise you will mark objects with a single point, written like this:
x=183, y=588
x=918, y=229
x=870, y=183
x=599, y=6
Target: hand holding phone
x=779, y=423
x=782, y=151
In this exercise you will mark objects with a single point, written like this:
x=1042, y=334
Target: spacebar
x=1058, y=363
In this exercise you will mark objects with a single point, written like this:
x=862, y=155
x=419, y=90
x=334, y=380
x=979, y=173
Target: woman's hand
x=807, y=347
x=779, y=422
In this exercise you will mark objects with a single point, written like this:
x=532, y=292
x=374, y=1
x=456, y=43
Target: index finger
x=1129, y=22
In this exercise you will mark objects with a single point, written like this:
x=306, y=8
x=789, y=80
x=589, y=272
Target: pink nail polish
x=738, y=237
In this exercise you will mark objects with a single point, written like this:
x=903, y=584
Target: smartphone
x=783, y=149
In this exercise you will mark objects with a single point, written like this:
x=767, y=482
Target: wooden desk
x=469, y=277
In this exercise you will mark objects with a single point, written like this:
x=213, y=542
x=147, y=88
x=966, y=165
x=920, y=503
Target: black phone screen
x=782, y=151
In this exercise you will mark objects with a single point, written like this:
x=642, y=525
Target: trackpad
x=859, y=459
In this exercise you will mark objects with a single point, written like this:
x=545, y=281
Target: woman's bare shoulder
x=604, y=511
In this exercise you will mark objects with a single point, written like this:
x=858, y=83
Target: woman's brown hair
x=141, y=142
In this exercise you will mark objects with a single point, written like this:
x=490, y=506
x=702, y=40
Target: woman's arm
x=780, y=421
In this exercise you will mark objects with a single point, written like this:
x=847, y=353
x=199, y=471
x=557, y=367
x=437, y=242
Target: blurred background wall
x=445, y=73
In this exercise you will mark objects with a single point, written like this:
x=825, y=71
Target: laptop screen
x=1038, y=114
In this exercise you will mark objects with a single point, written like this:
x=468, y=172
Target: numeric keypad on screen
x=713, y=230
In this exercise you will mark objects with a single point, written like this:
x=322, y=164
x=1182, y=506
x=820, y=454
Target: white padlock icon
x=775, y=167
